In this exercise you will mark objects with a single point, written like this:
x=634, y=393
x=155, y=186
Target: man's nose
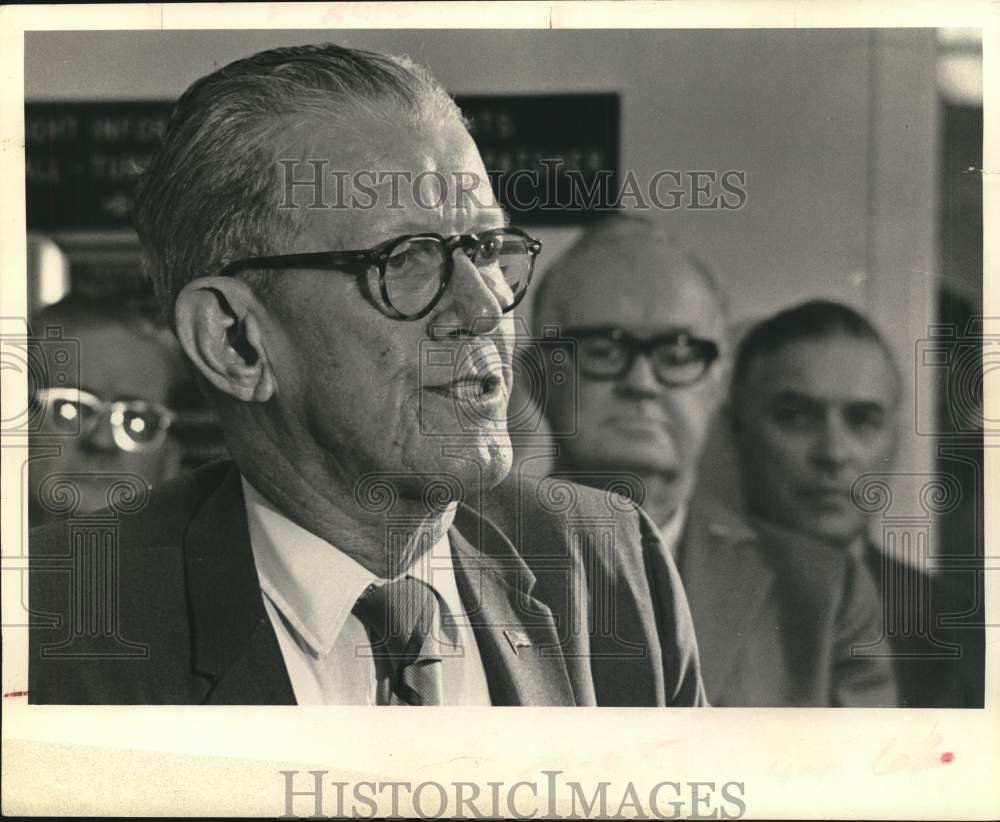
x=470, y=306
x=101, y=439
x=833, y=448
x=640, y=379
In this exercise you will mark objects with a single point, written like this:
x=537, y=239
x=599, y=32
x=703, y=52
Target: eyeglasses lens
x=416, y=268
x=602, y=356
x=70, y=416
x=414, y=273
x=679, y=362
x=675, y=361
x=507, y=254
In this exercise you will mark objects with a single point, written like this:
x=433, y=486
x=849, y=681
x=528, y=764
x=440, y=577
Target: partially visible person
x=647, y=321
x=118, y=419
x=815, y=406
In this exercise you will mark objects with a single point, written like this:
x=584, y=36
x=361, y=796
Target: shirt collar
x=672, y=529
x=314, y=584
x=780, y=534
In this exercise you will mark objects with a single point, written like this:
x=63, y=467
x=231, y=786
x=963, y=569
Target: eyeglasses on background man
x=608, y=353
x=137, y=426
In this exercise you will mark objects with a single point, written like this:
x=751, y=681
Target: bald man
x=647, y=324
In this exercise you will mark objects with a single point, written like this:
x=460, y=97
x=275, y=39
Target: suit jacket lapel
x=236, y=656
x=234, y=650
x=516, y=633
x=727, y=580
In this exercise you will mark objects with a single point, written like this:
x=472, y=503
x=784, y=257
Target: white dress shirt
x=309, y=588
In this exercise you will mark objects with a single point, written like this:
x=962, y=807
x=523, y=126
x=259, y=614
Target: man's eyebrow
x=665, y=333
x=400, y=229
x=483, y=221
x=669, y=331
x=491, y=218
x=792, y=395
x=866, y=405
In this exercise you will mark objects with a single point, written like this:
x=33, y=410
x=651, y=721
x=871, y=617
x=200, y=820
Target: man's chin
x=835, y=531
x=490, y=463
x=631, y=458
x=471, y=464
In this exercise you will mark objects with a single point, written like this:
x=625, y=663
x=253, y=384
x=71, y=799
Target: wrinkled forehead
x=834, y=369
x=116, y=361
x=640, y=284
x=371, y=178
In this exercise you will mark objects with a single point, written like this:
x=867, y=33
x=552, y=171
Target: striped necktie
x=401, y=618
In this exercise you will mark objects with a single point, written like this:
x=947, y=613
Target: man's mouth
x=828, y=497
x=483, y=394
x=642, y=425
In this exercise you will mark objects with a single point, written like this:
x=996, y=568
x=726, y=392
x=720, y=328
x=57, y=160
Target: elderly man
x=815, y=407
x=647, y=321
x=354, y=333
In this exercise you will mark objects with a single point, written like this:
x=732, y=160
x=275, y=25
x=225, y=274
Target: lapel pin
x=517, y=639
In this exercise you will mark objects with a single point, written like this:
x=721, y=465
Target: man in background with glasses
x=118, y=418
x=644, y=322
x=321, y=232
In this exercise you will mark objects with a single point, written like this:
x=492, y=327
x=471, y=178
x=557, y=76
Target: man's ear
x=218, y=321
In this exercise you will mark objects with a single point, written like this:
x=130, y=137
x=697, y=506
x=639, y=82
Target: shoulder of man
x=107, y=597
x=611, y=548
x=837, y=588
x=541, y=509
x=157, y=516
x=806, y=571
x=806, y=559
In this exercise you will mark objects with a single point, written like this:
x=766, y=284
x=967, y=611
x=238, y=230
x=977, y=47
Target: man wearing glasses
x=359, y=360
x=117, y=419
x=645, y=322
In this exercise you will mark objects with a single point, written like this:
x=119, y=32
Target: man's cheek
x=563, y=412
x=875, y=454
x=780, y=443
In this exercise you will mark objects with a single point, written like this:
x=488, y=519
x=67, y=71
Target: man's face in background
x=809, y=419
x=635, y=423
x=117, y=362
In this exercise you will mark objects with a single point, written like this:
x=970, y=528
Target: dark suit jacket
x=936, y=666
x=168, y=609
x=776, y=617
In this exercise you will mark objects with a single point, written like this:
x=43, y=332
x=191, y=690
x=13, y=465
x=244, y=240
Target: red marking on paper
x=11, y=694
x=947, y=757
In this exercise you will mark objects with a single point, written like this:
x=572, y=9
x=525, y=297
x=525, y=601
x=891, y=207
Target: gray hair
x=810, y=320
x=211, y=192
x=556, y=285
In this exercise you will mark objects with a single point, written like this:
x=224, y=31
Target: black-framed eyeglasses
x=406, y=276
x=677, y=359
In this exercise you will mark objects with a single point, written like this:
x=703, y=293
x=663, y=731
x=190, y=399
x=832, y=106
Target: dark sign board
x=553, y=158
